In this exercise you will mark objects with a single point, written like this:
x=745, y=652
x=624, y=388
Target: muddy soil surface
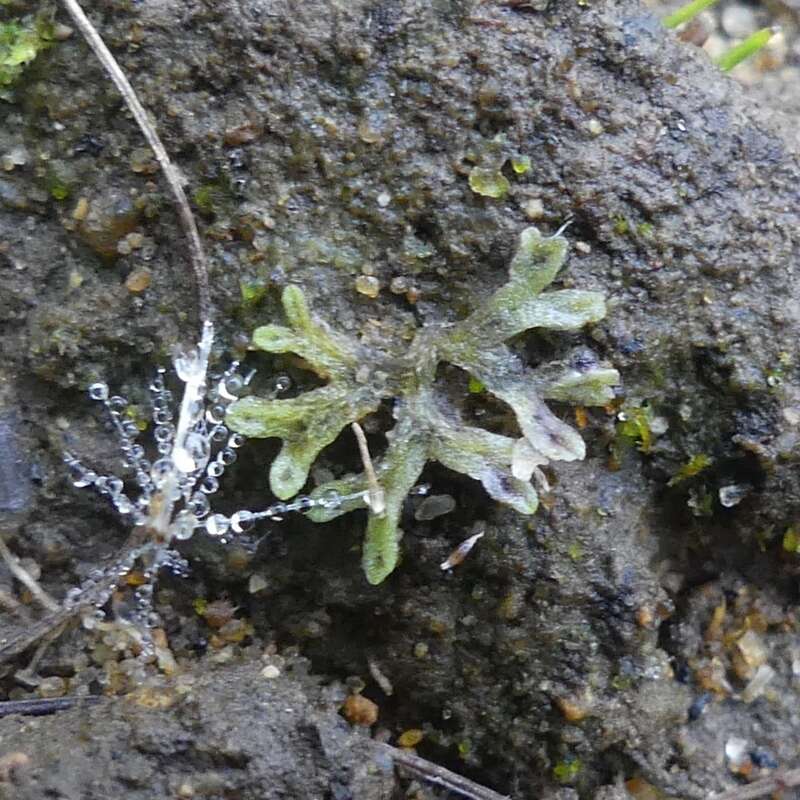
x=643, y=619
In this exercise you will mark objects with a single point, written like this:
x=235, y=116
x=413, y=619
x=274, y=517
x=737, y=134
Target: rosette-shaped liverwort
x=428, y=425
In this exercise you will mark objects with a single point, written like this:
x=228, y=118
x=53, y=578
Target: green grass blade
x=687, y=12
x=749, y=47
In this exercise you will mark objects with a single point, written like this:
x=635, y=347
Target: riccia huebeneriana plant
x=428, y=426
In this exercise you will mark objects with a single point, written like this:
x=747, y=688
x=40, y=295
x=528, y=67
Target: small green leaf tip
x=749, y=47
x=428, y=427
x=687, y=12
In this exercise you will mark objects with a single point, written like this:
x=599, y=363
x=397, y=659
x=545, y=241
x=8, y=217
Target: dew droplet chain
x=175, y=490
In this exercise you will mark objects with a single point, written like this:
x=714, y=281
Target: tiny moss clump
x=488, y=182
x=428, y=427
x=20, y=42
x=694, y=466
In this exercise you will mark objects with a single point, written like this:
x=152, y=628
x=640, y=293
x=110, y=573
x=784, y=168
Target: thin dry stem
x=761, y=788
x=24, y=577
x=25, y=637
x=46, y=705
x=196, y=253
x=439, y=776
x=377, y=502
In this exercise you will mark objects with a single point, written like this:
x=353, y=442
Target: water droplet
x=72, y=597
x=217, y=525
x=160, y=470
x=283, y=383
x=199, y=505
x=80, y=476
x=215, y=469
x=118, y=403
x=163, y=433
x=162, y=416
x=236, y=440
x=219, y=434
x=209, y=485
x=98, y=391
x=303, y=503
x=330, y=499
x=242, y=521
x=216, y=414
x=226, y=456
x=234, y=385
x=277, y=510
x=123, y=504
x=183, y=525
x=129, y=429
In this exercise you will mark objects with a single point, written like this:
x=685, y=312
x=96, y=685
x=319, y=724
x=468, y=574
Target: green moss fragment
x=212, y=199
x=575, y=551
x=488, y=182
x=521, y=164
x=428, y=427
x=791, y=541
x=253, y=292
x=20, y=42
x=568, y=770
x=621, y=226
x=475, y=386
x=635, y=426
x=695, y=465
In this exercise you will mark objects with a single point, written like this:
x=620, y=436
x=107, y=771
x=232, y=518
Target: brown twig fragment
x=761, y=788
x=439, y=776
x=196, y=252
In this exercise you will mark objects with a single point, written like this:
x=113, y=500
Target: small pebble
x=399, y=285
x=733, y=494
x=534, y=209
x=81, y=209
x=434, y=506
x=138, y=281
x=595, y=127
x=368, y=285
x=270, y=672
x=360, y=710
x=52, y=687
x=256, y=584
